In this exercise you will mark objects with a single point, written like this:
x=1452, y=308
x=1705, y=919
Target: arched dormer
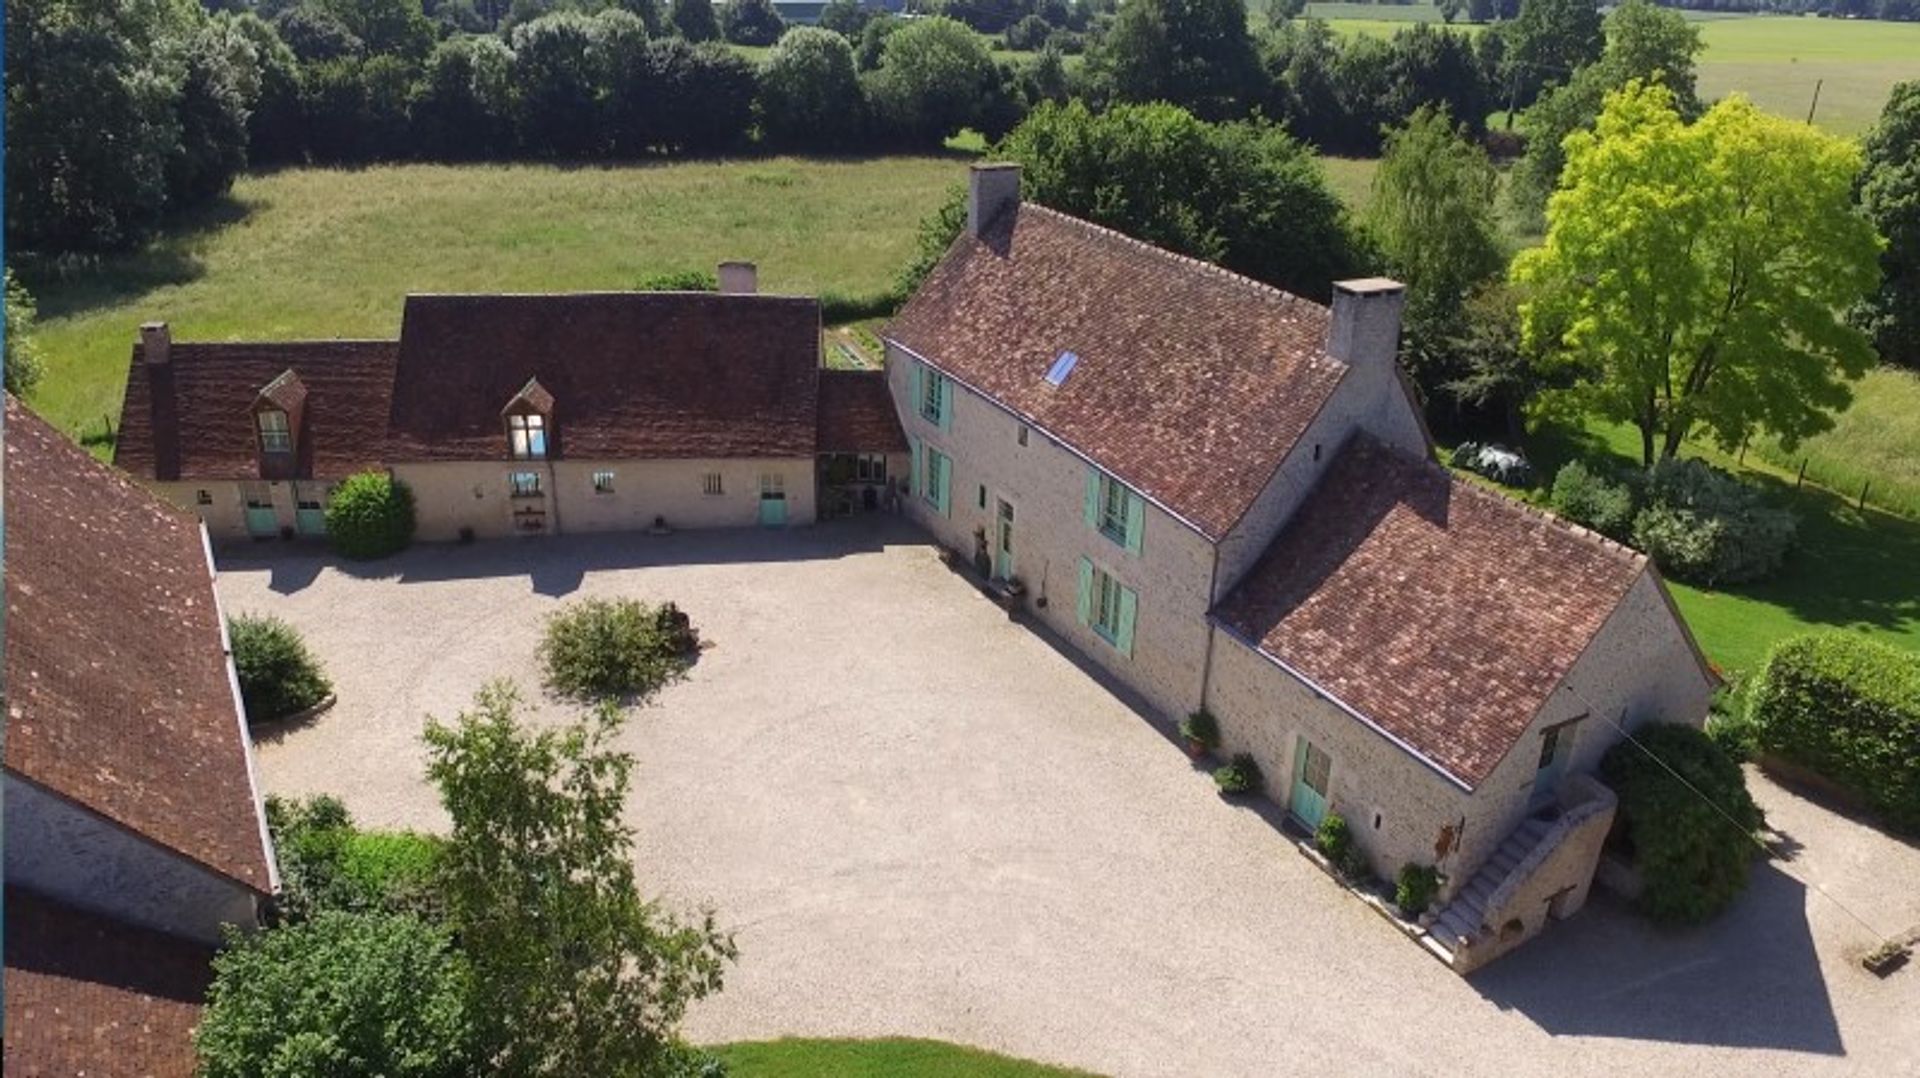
x=529, y=422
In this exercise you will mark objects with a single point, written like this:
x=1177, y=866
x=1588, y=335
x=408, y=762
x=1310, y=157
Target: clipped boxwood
x=1415, y=888
x=1334, y=840
x=1848, y=708
x=606, y=649
x=278, y=675
x=1692, y=841
x=370, y=516
x=1202, y=729
x=1238, y=776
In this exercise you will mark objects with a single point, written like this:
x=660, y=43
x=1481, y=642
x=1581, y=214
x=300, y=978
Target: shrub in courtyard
x=1201, y=729
x=1849, y=709
x=278, y=675
x=1334, y=840
x=1702, y=525
x=1692, y=840
x=1589, y=498
x=326, y=863
x=600, y=649
x=1238, y=776
x=1414, y=890
x=344, y=993
x=370, y=516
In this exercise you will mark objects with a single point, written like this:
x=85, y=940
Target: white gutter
x=1321, y=692
x=240, y=716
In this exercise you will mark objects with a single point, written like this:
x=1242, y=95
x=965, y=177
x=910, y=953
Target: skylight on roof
x=1057, y=374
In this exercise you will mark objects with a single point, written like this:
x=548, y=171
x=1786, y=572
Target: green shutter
x=915, y=484
x=1086, y=591
x=915, y=387
x=1093, y=498
x=1129, y=606
x=1136, y=520
x=946, y=403
x=943, y=466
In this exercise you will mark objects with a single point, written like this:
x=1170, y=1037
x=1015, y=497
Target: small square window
x=524, y=484
x=603, y=482
x=203, y=497
x=527, y=435
x=983, y=496
x=1023, y=434
x=711, y=483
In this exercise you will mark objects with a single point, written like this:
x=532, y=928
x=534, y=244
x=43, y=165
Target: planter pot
x=1195, y=747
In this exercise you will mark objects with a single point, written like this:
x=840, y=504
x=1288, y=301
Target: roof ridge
x=1210, y=268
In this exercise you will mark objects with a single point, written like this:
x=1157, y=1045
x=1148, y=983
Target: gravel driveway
x=922, y=819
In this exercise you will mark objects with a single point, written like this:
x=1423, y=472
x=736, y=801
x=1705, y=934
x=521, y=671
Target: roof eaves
x=1318, y=690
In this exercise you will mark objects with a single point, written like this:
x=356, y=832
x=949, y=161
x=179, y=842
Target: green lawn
x=795, y=1058
x=332, y=253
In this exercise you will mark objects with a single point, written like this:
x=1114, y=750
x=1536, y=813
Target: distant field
x=1876, y=441
x=332, y=253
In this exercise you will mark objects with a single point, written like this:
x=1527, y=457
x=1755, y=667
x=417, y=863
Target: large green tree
x=809, y=91
x=935, y=77
x=23, y=362
x=1547, y=43
x=1193, y=53
x=573, y=972
x=1695, y=277
x=1890, y=195
x=694, y=20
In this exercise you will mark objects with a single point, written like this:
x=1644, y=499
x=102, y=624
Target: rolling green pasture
x=332, y=253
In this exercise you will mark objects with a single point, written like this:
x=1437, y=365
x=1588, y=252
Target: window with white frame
x=1113, y=509
x=275, y=435
x=933, y=395
x=527, y=433
x=603, y=482
x=870, y=468
x=523, y=484
x=1103, y=612
x=711, y=484
x=773, y=485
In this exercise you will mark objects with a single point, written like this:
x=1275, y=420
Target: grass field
x=900, y=1058
x=1876, y=441
x=326, y=253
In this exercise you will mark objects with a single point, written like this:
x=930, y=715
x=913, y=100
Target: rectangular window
x=933, y=397
x=711, y=483
x=1023, y=434
x=258, y=496
x=1113, y=509
x=524, y=484
x=871, y=468
x=603, y=482
x=936, y=479
x=528, y=434
x=1107, y=607
x=773, y=485
x=1317, y=770
x=203, y=497
x=1104, y=611
x=983, y=496
x=275, y=436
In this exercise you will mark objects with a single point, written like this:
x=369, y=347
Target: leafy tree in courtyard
x=1193, y=53
x=1432, y=215
x=344, y=993
x=573, y=971
x=1695, y=276
x=1890, y=196
x=753, y=22
x=23, y=362
x=278, y=675
x=810, y=92
x=694, y=20
x=1692, y=840
x=935, y=77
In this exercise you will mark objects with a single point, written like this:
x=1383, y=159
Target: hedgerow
x=1849, y=709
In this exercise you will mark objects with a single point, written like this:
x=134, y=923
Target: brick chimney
x=739, y=279
x=1365, y=328
x=992, y=189
x=156, y=343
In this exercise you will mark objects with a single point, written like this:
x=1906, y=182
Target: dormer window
x=276, y=434
x=528, y=436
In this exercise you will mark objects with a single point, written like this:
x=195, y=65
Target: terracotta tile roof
x=118, y=694
x=857, y=414
x=1192, y=382
x=90, y=996
x=203, y=427
x=633, y=374
x=1443, y=612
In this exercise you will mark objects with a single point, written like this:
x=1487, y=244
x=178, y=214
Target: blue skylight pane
x=1057, y=374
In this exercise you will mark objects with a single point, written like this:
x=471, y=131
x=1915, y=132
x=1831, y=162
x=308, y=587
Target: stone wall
x=1551, y=882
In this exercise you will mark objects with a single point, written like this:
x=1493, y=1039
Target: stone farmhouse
x=521, y=414
x=135, y=829
x=1220, y=494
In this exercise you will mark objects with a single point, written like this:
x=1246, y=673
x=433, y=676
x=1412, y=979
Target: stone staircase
x=1465, y=917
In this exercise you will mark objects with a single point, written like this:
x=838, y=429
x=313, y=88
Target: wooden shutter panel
x=1093, y=498
x=946, y=403
x=1086, y=591
x=916, y=387
x=1136, y=520
x=944, y=467
x=916, y=484
x=1129, y=607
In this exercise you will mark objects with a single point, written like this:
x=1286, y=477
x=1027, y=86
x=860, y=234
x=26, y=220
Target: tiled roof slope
x=857, y=414
x=87, y=995
x=204, y=427
x=118, y=696
x=1192, y=382
x=632, y=374
x=1443, y=612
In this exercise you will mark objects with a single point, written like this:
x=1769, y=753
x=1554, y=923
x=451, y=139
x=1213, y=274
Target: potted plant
x=1200, y=733
x=1238, y=776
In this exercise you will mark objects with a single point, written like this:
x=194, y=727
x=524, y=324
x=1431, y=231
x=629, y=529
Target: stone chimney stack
x=1365, y=328
x=992, y=189
x=156, y=343
x=739, y=279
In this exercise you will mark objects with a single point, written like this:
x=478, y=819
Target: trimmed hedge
x=370, y=516
x=278, y=675
x=1848, y=708
x=1693, y=858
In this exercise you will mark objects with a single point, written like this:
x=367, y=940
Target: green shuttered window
x=1114, y=510
x=1106, y=607
x=933, y=395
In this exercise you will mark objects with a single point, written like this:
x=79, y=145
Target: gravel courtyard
x=922, y=819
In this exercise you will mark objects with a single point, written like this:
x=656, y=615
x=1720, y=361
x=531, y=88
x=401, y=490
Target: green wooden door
x=310, y=512
x=1003, y=543
x=262, y=520
x=1312, y=773
x=773, y=510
